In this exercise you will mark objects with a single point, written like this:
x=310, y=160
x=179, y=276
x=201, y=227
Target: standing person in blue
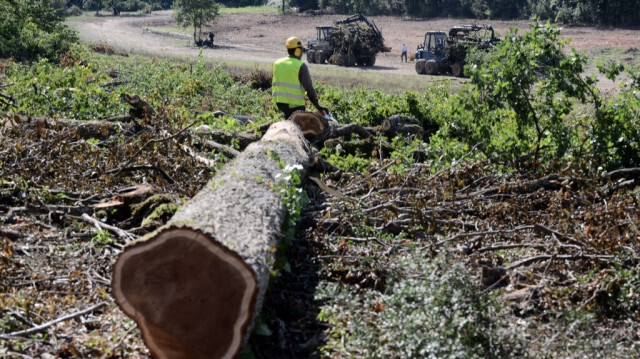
x=291, y=79
x=404, y=53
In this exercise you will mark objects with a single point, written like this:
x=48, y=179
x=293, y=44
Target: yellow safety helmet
x=294, y=43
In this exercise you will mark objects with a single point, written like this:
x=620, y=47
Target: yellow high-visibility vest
x=286, y=87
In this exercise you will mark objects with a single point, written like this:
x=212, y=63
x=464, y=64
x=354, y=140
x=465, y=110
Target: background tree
x=196, y=13
x=92, y=5
x=33, y=29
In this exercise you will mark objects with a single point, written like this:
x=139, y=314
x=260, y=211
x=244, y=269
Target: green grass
x=171, y=30
x=354, y=78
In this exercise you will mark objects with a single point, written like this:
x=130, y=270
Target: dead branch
x=122, y=234
x=227, y=151
x=366, y=146
x=486, y=233
x=511, y=246
x=153, y=140
x=80, y=129
x=162, y=172
x=627, y=173
x=9, y=233
x=46, y=325
x=546, y=230
x=352, y=128
x=550, y=182
x=241, y=139
x=205, y=161
x=72, y=210
x=323, y=186
x=541, y=258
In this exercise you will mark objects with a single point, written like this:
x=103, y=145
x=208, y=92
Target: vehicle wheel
x=319, y=57
x=311, y=56
x=431, y=67
x=420, y=66
x=349, y=60
x=372, y=61
x=457, y=70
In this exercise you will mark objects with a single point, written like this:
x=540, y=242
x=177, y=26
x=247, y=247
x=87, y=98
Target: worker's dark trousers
x=288, y=111
x=404, y=55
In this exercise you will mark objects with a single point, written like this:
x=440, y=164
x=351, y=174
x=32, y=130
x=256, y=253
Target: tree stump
x=195, y=285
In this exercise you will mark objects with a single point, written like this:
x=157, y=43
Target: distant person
x=291, y=78
x=404, y=53
x=439, y=47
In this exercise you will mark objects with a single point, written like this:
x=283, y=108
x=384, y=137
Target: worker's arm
x=305, y=79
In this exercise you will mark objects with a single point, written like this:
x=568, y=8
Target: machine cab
x=433, y=46
x=323, y=32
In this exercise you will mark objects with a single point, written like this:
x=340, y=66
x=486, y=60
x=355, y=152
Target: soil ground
x=259, y=37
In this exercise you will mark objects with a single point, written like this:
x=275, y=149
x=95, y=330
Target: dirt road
x=260, y=37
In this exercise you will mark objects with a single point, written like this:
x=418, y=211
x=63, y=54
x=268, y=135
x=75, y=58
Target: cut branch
x=46, y=325
x=541, y=258
x=122, y=234
x=162, y=172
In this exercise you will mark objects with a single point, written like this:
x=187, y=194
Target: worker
x=291, y=79
x=404, y=53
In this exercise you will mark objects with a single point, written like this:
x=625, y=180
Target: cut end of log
x=310, y=123
x=386, y=125
x=190, y=296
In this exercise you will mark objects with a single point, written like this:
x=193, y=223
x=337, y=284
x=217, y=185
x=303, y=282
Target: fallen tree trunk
x=195, y=285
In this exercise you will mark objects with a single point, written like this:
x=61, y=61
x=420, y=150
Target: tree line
x=35, y=28
x=576, y=12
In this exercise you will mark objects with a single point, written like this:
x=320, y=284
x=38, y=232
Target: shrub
x=519, y=100
x=33, y=30
x=73, y=11
x=432, y=309
x=615, y=134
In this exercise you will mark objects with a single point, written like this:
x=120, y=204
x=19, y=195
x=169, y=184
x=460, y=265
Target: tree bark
x=195, y=285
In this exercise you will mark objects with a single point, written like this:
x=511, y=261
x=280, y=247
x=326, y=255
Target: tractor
x=446, y=53
x=355, y=40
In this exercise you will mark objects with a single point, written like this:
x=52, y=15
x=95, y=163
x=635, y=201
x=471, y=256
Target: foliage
x=618, y=12
x=32, y=30
x=518, y=102
x=84, y=88
x=431, y=309
x=615, y=133
x=369, y=107
x=346, y=162
x=196, y=13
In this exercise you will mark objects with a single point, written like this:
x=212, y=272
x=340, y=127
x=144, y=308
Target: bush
x=73, y=11
x=519, y=100
x=432, y=309
x=33, y=30
x=615, y=134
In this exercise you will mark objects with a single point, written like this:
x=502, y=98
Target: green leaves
x=32, y=30
x=196, y=13
x=532, y=82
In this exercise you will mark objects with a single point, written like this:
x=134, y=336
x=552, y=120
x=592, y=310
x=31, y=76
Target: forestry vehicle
x=355, y=40
x=442, y=53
